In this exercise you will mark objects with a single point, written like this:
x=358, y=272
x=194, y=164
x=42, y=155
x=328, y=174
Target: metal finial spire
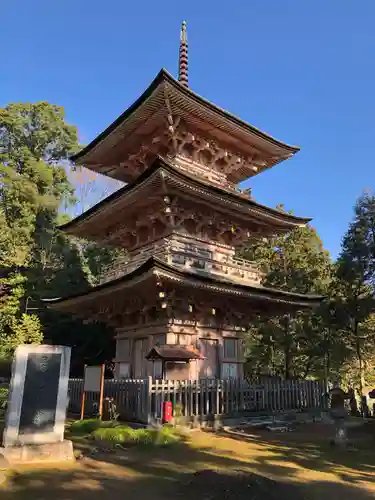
x=183, y=57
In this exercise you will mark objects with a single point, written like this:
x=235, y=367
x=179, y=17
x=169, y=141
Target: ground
x=250, y=465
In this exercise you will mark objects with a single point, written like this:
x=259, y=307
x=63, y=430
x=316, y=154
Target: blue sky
x=302, y=71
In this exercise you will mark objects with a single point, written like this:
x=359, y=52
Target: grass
x=87, y=426
x=112, y=432
x=128, y=436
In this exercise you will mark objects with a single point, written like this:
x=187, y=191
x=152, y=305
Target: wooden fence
x=131, y=397
x=141, y=400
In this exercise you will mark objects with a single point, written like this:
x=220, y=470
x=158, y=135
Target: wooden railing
x=141, y=400
x=190, y=257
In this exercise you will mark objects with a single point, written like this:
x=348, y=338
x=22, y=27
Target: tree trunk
x=359, y=357
x=272, y=360
x=327, y=363
x=287, y=373
x=327, y=366
x=287, y=350
x=307, y=368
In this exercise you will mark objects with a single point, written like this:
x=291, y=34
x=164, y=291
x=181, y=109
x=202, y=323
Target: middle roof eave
x=162, y=165
x=156, y=267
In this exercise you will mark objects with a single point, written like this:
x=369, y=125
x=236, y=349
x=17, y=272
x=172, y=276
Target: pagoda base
x=40, y=453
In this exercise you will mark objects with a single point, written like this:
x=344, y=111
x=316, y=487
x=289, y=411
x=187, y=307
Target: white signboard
x=93, y=378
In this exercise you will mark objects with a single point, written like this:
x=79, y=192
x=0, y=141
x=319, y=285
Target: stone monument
x=38, y=396
x=339, y=415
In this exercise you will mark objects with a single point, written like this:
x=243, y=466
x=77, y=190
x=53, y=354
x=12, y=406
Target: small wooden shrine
x=181, y=300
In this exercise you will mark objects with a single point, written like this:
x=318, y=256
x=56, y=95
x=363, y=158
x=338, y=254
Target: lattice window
x=230, y=348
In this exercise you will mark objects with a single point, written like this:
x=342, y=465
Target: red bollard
x=167, y=412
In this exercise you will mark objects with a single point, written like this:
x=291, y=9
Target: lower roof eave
x=154, y=267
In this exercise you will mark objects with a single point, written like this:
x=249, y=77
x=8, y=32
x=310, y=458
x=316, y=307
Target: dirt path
x=207, y=467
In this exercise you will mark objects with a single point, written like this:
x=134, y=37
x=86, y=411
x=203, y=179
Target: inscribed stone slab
x=38, y=395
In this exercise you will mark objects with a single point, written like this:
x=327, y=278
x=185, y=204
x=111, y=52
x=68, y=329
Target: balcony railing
x=238, y=271
x=232, y=268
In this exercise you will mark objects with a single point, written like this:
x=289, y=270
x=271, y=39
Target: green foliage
x=120, y=434
x=27, y=330
x=40, y=261
x=177, y=410
x=113, y=414
x=3, y=398
x=294, y=262
x=99, y=259
x=16, y=327
x=289, y=344
x=177, y=413
x=356, y=264
x=355, y=302
x=113, y=432
x=166, y=436
x=33, y=139
x=37, y=129
x=14, y=244
x=87, y=426
x=127, y=436
x=338, y=338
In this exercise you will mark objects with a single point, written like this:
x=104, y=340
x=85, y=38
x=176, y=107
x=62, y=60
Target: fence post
x=191, y=409
x=217, y=396
x=147, y=405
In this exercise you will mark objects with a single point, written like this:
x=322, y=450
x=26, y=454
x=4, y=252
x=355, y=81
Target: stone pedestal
x=36, y=453
x=341, y=434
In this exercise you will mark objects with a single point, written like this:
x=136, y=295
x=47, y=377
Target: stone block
x=38, y=453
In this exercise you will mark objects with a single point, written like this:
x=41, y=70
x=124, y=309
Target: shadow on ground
x=207, y=468
x=310, y=449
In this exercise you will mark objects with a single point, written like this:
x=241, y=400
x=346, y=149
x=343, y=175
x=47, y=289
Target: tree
x=355, y=273
x=292, y=343
x=353, y=373
x=16, y=327
x=34, y=139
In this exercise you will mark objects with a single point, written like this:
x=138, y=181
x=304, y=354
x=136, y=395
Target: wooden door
x=140, y=362
x=209, y=366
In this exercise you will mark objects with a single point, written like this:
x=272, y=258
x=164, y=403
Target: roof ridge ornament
x=183, y=57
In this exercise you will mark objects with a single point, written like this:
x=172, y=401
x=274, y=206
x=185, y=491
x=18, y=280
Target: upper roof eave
x=164, y=76
x=156, y=264
x=162, y=163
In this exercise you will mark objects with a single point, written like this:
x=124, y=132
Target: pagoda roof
x=162, y=170
x=157, y=268
x=182, y=99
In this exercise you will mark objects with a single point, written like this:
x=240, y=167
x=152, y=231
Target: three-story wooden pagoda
x=181, y=301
